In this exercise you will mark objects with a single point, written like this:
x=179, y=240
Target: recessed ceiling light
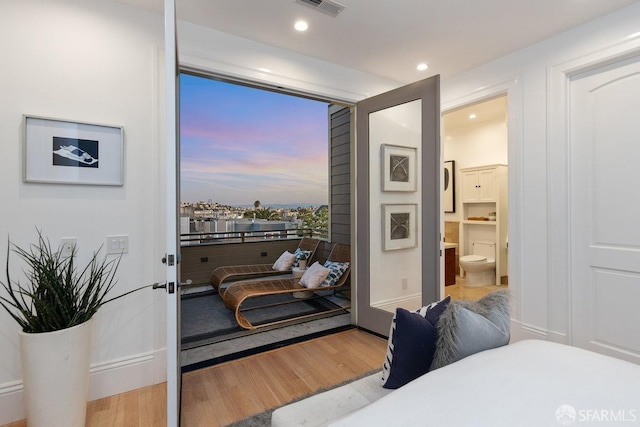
x=472, y=116
x=264, y=70
x=422, y=67
x=301, y=25
x=633, y=36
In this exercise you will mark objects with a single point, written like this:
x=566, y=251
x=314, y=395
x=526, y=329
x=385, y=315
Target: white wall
x=92, y=63
x=95, y=61
x=101, y=62
x=479, y=144
x=540, y=311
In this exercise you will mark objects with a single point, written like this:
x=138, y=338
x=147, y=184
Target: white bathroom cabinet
x=478, y=185
x=484, y=191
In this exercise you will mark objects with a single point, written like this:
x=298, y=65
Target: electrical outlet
x=405, y=283
x=117, y=245
x=67, y=246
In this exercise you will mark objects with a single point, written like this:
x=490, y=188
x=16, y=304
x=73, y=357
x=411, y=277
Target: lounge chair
x=241, y=272
x=239, y=292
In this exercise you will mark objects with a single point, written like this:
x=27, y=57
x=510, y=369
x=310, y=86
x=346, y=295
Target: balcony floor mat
x=205, y=320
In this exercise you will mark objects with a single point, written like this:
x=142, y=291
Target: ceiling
x=388, y=38
x=488, y=110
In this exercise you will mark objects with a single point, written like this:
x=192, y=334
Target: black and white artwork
x=66, y=152
x=449, y=187
x=398, y=168
x=74, y=152
x=399, y=226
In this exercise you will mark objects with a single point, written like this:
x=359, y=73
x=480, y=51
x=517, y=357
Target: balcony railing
x=201, y=253
x=212, y=238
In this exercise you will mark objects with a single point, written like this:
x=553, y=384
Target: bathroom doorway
x=475, y=151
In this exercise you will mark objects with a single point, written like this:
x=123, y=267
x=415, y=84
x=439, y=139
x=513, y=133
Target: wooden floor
x=460, y=291
x=229, y=392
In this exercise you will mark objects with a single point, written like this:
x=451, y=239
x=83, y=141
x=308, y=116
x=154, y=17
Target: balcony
x=215, y=337
x=201, y=253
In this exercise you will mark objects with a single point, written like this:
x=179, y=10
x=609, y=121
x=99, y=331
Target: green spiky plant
x=57, y=295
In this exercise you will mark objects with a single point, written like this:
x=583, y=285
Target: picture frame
x=57, y=151
x=399, y=168
x=449, y=200
x=399, y=226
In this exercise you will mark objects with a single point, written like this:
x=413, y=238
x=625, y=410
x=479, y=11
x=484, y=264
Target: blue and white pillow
x=412, y=344
x=300, y=254
x=337, y=270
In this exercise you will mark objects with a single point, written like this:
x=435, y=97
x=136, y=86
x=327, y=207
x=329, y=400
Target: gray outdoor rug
x=205, y=319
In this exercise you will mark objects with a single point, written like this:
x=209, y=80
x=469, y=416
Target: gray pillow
x=468, y=327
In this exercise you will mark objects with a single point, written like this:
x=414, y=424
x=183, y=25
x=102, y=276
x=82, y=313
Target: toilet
x=480, y=267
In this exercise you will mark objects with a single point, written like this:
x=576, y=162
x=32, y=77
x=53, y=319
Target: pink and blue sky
x=239, y=144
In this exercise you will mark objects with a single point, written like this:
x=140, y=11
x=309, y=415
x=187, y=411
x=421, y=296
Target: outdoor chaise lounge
x=239, y=292
x=241, y=272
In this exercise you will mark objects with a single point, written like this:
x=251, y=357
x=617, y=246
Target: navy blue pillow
x=412, y=344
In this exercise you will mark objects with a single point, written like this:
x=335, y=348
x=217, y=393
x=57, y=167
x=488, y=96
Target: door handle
x=159, y=285
x=163, y=285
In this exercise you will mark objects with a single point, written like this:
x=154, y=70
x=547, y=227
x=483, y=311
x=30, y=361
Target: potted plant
x=302, y=263
x=55, y=306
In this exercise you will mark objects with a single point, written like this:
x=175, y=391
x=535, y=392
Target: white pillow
x=314, y=275
x=285, y=261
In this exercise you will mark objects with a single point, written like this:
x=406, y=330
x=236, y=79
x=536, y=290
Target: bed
x=527, y=383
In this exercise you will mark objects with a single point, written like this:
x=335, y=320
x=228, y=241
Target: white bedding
x=522, y=384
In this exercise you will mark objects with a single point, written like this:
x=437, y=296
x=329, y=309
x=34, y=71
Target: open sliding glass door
x=398, y=169
x=171, y=259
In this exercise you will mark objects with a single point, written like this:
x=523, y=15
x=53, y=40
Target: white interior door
x=398, y=218
x=605, y=236
x=174, y=376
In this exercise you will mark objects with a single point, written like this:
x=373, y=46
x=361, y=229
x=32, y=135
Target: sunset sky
x=240, y=144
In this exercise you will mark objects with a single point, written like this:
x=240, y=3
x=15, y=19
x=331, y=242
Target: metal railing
x=212, y=238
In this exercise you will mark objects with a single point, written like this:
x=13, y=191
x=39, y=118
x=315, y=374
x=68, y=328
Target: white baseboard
x=522, y=331
x=105, y=379
x=558, y=337
x=11, y=402
x=409, y=302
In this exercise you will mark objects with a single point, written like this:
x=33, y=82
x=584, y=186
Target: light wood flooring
x=459, y=291
x=225, y=393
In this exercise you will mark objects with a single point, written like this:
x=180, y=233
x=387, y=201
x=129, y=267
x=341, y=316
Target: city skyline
x=240, y=144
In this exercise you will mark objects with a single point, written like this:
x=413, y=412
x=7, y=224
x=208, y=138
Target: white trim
x=171, y=67
x=534, y=330
x=121, y=375
x=559, y=278
x=197, y=62
x=406, y=301
x=10, y=387
x=557, y=337
x=11, y=402
x=105, y=379
x=523, y=331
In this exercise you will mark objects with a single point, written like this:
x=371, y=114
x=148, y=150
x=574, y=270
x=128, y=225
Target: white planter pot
x=55, y=371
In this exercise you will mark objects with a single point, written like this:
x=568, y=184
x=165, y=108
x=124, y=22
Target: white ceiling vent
x=326, y=6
